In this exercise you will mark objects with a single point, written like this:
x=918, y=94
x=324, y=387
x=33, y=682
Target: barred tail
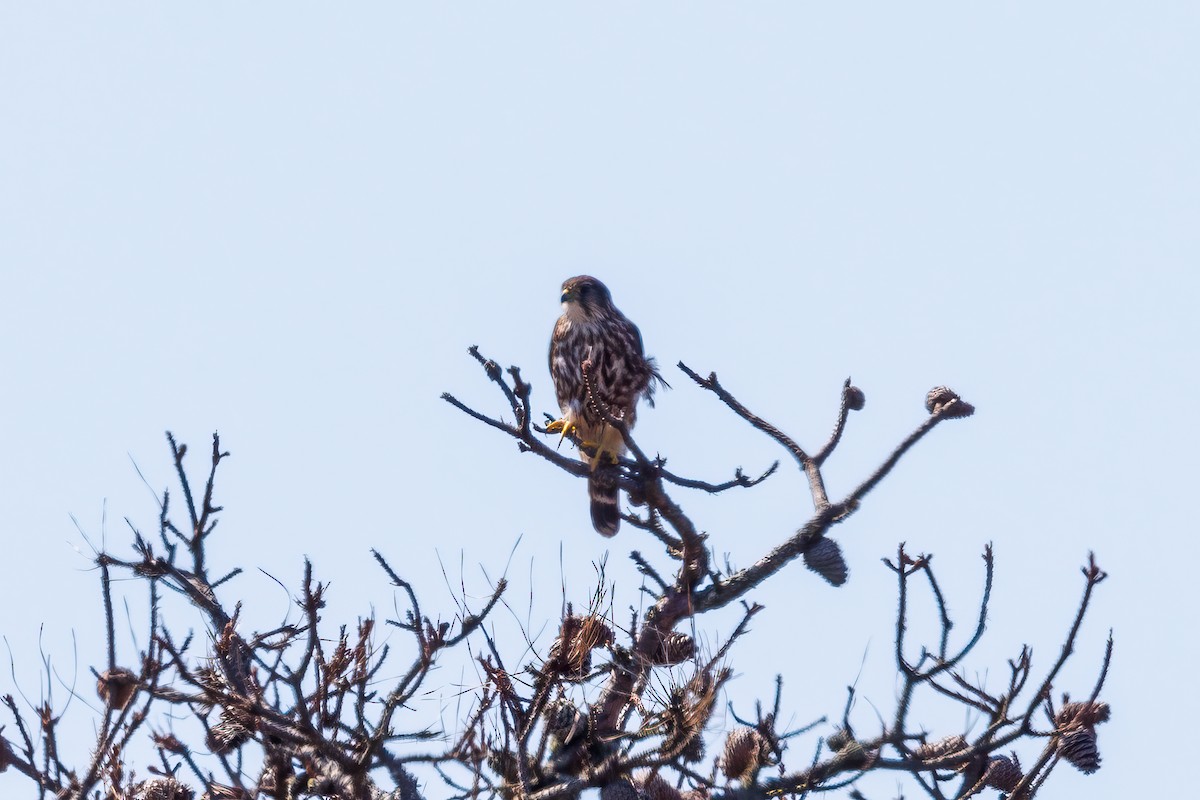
x=606, y=516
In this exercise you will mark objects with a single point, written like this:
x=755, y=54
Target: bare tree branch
x=306, y=708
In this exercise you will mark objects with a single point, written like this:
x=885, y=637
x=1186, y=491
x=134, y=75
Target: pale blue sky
x=287, y=224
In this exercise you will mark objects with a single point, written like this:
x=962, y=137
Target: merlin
x=591, y=329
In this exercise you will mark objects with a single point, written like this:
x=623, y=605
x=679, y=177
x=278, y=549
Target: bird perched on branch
x=592, y=332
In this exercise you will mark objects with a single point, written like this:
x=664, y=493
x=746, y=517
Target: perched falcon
x=592, y=328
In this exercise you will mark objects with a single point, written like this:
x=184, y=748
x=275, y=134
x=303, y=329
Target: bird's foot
x=602, y=456
x=562, y=427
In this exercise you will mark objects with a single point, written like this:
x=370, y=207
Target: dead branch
x=303, y=708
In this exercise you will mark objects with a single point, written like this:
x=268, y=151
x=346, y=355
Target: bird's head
x=584, y=298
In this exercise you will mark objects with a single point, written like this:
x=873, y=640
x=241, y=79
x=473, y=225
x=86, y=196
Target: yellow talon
x=560, y=426
x=563, y=427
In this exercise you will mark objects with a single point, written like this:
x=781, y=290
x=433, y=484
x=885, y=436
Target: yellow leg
x=612, y=458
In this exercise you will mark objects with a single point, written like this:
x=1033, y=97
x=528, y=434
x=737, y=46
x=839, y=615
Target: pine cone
x=656, y=787
x=231, y=731
x=854, y=754
x=743, y=753
x=1003, y=773
x=942, y=400
x=619, y=790
x=116, y=687
x=565, y=722
x=824, y=557
x=674, y=648
x=162, y=789
x=694, y=751
x=1078, y=745
x=213, y=682
x=839, y=739
x=932, y=751
x=578, y=636
x=1089, y=714
x=277, y=775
